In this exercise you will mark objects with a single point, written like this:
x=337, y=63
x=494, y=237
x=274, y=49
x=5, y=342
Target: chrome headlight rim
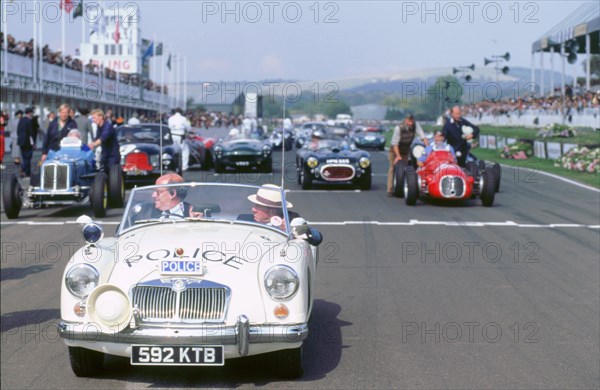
x=90, y=236
x=81, y=268
x=294, y=279
x=312, y=162
x=364, y=162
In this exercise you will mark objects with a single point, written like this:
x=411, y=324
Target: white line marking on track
x=573, y=182
x=412, y=222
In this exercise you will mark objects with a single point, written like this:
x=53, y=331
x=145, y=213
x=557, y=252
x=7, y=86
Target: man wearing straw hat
x=267, y=207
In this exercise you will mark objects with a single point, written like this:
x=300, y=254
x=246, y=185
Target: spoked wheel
x=365, y=181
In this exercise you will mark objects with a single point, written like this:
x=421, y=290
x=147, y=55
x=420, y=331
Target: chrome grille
x=202, y=304
x=452, y=187
x=199, y=301
x=55, y=176
x=155, y=302
x=337, y=172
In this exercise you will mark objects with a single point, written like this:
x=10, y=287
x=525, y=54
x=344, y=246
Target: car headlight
x=300, y=141
x=218, y=150
x=312, y=162
x=92, y=233
x=281, y=282
x=364, y=162
x=167, y=156
x=81, y=280
x=287, y=135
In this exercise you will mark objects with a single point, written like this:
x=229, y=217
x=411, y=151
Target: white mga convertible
x=197, y=284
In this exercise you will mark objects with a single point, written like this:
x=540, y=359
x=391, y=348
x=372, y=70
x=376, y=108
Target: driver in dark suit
x=453, y=132
x=169, y=201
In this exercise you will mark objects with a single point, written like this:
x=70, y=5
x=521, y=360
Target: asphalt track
x=432, y=296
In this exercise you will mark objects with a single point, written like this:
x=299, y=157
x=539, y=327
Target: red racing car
x=440, y=177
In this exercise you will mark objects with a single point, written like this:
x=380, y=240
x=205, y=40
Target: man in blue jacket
x=26, y=140
x=107, y=137
x=453, y=132
x=58, y=129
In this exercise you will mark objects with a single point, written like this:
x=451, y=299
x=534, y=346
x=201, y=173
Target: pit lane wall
x=45, y=86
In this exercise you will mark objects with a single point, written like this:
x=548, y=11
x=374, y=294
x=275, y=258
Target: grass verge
x=525, y=169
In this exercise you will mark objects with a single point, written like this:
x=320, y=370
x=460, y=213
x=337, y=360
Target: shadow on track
x=322, y=353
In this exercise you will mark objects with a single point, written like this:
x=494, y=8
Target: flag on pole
x=159, y=50
x=67, y=5
x=149, y=52
x=117, y=35
x=169, y=62
x=78, y=10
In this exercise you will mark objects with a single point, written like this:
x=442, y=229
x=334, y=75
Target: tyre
x=306, y=179
x=116, y=187
x=481, y=165
x=267, y=167
x=36, y=180
x=11, y=196
x=207, y=161
x=288, y=363
x=498, y=170
x=382, y=147
x=473, y=169
x=298, y=175
x=399, y=170
x=411, y=186
x=85, y=362
x=365, y=181
x=219, y=167
x=489, y=188
x=98, y=195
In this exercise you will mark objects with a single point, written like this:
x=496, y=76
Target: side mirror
x=300, y=229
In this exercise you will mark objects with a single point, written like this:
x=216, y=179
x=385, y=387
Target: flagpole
x=5, y=29
x=177, y=75
x=162, y=83
x=35, y=43
x=154, y=70
x=62, y=39
x=83, y=66
x=41, y=59
x=185, y=83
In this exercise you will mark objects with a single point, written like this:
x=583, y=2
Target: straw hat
x=269, y=196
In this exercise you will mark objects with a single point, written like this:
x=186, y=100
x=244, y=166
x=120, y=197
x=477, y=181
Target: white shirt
x=133, y=121
x=179, y=124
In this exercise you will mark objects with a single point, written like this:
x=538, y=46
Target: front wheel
x=365, y=181
x=11, y=197
x=219, y=167
x=288, y=363
x=306, y=179
x=411, y=186
x=85, y=362
x=98, y=195
x=399, y=179
x=489, y=188
x=498, y=170
x=116, y=186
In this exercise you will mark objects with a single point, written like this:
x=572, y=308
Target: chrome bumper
x=241, y=334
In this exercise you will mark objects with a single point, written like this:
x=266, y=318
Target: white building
x=114, y=40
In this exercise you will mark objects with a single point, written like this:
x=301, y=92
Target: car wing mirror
x=300, y=229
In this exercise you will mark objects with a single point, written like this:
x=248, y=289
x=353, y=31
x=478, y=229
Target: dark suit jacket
x=54, y=136
x=25, y=133
x=453, y=133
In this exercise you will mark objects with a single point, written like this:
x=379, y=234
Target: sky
x=328, y=40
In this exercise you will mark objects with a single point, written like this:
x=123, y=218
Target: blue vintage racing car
x=67, y=176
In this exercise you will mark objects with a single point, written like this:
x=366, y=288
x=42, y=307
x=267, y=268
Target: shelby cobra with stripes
x=197, y=289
